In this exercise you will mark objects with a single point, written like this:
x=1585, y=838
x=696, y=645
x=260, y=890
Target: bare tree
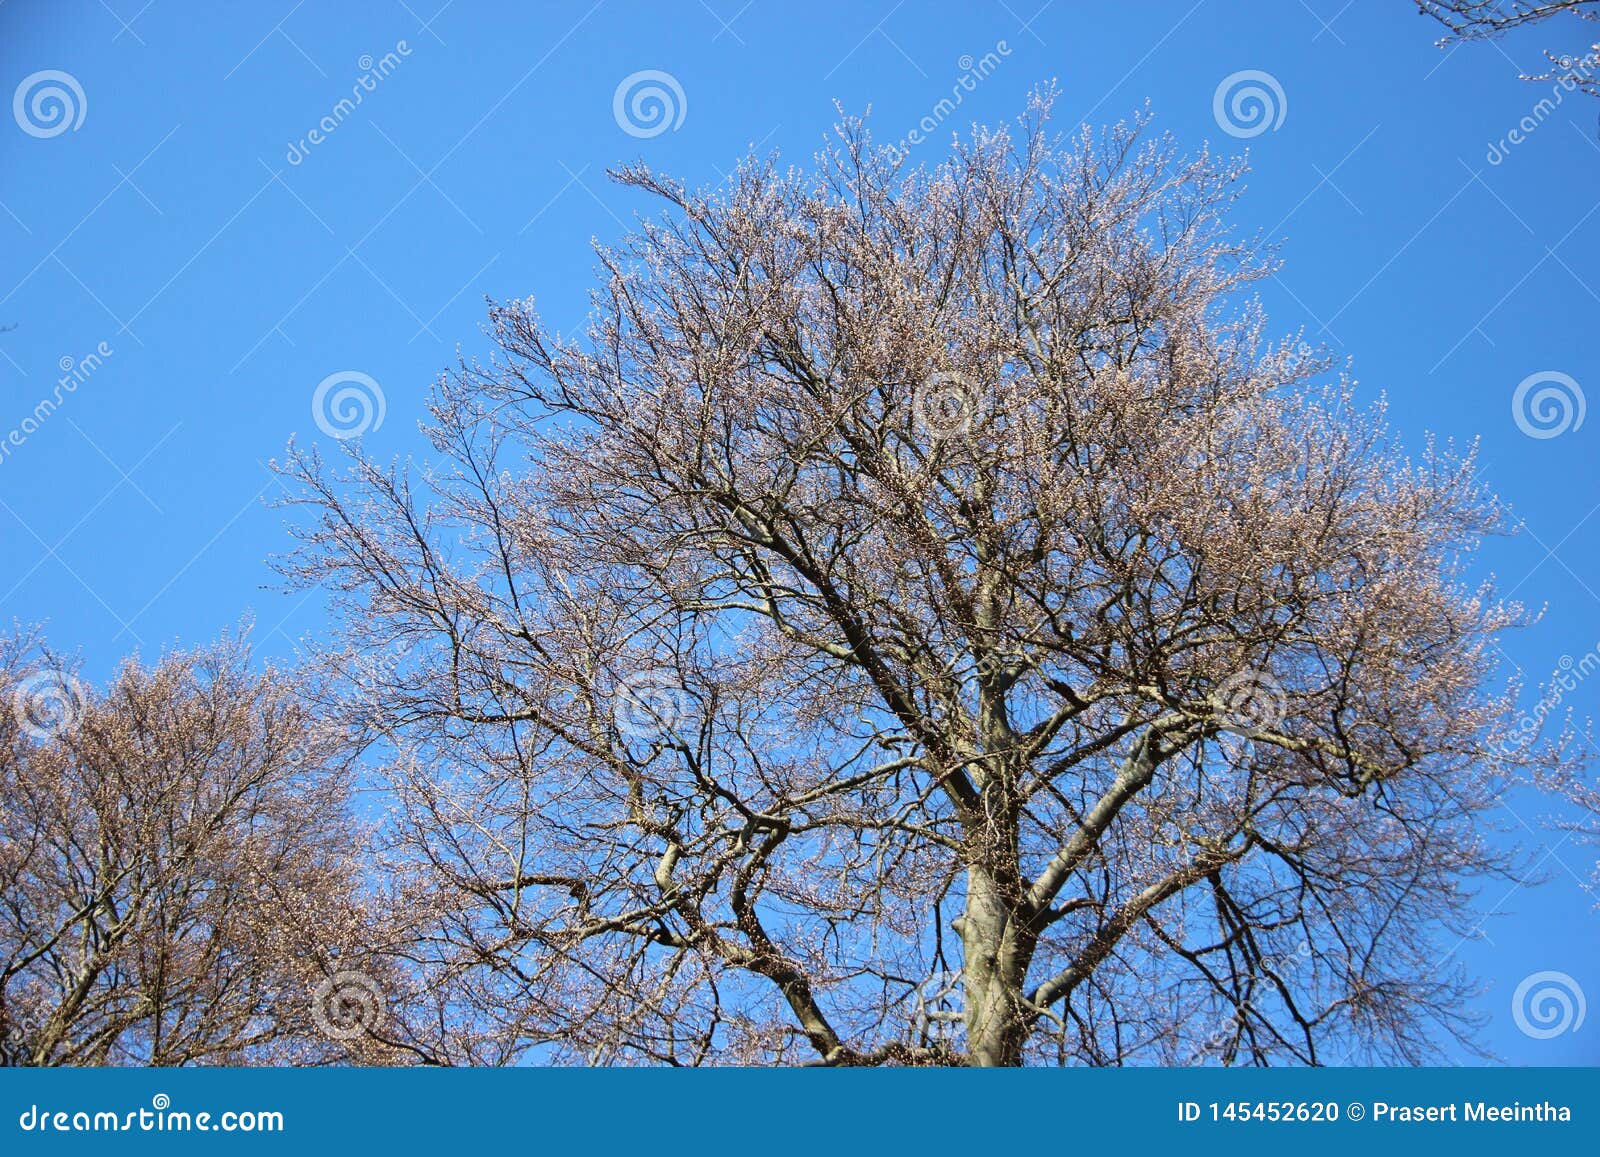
x=921, y=620
x=178, y=863
x=1482, y=19
x=1487, y=19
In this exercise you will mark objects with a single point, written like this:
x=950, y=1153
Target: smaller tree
x=178, y=878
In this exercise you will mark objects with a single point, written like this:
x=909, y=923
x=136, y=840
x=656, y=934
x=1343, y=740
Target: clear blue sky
x=171, y=225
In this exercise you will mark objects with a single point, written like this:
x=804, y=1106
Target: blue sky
x=228, y=270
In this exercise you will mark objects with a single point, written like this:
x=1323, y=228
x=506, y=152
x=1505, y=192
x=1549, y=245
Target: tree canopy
x=922, y=618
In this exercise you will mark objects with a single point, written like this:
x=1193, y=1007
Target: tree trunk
x=997, y=949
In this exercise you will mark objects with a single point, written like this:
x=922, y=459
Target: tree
x=1488, y=19
x=177, y=868
x=1482, y=19
x=922, y=620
